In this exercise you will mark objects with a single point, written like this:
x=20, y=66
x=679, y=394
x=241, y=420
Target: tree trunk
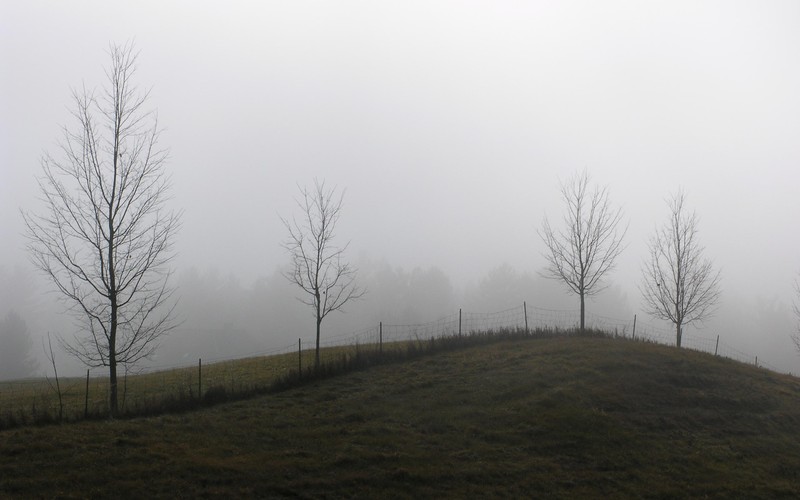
x=319, y=322
x=112, y=338
x=112, y=352
x=583, y=311
x=679, y=334
x=112, y=386
x=112, y=357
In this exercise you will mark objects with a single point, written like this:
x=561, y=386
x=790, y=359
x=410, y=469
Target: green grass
x=36, y=400
x=562, y=417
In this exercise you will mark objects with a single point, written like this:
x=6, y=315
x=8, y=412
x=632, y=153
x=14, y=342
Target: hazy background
x=450, y=125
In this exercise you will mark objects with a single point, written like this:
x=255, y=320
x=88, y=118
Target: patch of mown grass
x=557, y=418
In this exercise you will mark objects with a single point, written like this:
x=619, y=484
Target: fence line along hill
x=184, y=387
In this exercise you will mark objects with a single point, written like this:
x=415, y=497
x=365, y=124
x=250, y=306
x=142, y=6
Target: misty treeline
x=224, y=317
x=18, y=354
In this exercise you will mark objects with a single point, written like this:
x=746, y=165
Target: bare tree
x=586, y=248
x=678, y=284
x=317, y=265
x=104, y=237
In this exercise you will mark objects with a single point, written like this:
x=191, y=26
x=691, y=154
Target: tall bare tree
x=317, y=266
x=104, y=235
x=678, y=283
x=587, y=245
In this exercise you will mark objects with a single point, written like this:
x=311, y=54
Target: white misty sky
x=449, y=123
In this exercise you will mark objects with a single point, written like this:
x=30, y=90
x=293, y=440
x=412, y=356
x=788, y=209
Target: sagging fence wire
x=214, y=379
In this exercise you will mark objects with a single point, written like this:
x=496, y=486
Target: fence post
x=200, y=378
x=86, y=401
x=717, y=346
x=756, y=361
x=459, y=321
x=380, y=337
x=634, y=327
x=300, y=357
x=525, y=310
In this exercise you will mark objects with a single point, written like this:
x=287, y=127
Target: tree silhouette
x=317, y=265
x=104, y=236
x=679, y=284
x=586, y=248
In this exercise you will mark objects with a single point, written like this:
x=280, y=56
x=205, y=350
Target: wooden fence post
x=525, y=310
x=634, y=327
x=200, y=378
x=86, y=401
x=459, y=321
x=300, y=357
x=717, y=346
x=380, y=336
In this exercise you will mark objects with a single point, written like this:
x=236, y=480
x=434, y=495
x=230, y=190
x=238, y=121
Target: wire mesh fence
x=211, y=380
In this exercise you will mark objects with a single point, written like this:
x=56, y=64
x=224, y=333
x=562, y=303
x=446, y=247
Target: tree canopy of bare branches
x=317, y=266
x=678, y=284
x=587, y=245
x=104, y=234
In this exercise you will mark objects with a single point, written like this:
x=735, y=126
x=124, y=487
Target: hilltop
x=566, y=417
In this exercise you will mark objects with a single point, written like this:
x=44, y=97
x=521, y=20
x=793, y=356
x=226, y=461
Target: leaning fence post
x=199, y=378
x=459, y=321
x=717, y=346
x=634, y=327
x=525, y=310
x=86, y=401
x=300, y=357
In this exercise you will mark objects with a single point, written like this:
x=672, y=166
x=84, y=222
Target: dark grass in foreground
x=564, y=417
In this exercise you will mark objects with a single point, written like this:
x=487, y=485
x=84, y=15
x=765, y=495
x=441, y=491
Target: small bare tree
x=104, y=237
x=317, y=265
x=586, y=248
x=678, y=284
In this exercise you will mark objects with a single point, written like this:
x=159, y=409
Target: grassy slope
x=568, y=417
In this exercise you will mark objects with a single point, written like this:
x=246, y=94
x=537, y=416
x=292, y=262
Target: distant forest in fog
x=224, y=317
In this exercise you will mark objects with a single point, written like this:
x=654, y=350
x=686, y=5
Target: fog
x=449, y=126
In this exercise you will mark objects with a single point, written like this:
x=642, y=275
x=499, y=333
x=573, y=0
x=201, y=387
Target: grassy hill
x=561, y=417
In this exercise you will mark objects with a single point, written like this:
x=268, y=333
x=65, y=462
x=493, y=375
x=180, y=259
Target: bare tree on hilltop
x=679, y=285
x=317, y=265
x=587, y=245
x=104, y=237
